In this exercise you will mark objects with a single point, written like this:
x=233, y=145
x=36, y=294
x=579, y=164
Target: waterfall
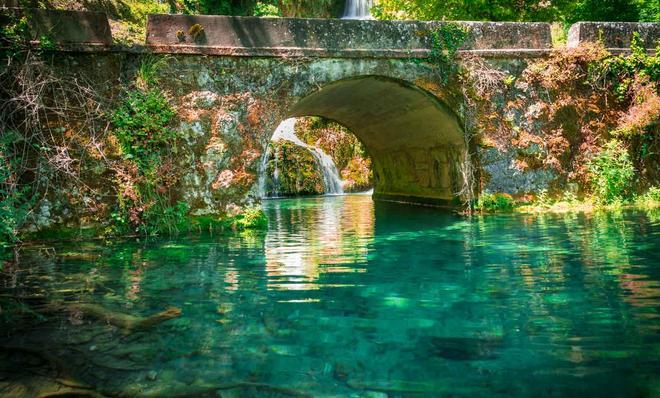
x=263, y=173
x=357, y=9
x=286, y=131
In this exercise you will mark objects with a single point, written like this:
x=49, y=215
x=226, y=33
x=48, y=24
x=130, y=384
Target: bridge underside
x=415, y=142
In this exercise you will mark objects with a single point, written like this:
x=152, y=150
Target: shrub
x=650, y=198
x=266, y=10
x=611, y=173
x=15, y=200
x=357, y=175
x=142, y=126
x=249, y=218
x=446, y=40
x=489, y=202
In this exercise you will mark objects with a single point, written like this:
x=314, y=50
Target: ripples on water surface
x=344, y=297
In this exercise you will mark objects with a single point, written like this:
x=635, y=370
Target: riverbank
x=569, y=202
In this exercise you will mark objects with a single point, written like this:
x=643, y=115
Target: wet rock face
x=292, y=171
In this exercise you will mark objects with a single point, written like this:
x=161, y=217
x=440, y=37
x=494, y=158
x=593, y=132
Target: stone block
x=64, y=27
x=614, y=35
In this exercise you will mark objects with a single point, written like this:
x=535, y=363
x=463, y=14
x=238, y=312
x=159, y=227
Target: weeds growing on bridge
x=148, y=145
x=567, y=113
x=446, y=40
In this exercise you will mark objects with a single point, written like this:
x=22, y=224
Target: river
x=344, y=297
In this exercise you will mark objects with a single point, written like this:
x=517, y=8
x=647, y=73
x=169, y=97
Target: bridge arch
x=416, y=142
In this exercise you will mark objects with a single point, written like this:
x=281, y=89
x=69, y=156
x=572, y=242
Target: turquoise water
x=344, y=297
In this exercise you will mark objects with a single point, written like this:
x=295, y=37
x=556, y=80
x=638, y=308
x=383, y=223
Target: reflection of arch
x=415, y=141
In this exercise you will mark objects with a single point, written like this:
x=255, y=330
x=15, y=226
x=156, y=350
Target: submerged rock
x=460, y=348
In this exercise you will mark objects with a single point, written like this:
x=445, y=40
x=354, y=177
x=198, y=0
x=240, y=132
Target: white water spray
x=286, y=131
x=357, y=9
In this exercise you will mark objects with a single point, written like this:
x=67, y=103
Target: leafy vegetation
x=446, y=40
x=650, y=199
x=284, y=8
x=567, y=11
x=612, y=173
x=142, y=128
x=495, y=202
x=15, y=198
x=248, y=218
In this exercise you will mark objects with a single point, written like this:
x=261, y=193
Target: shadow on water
x=344, y=297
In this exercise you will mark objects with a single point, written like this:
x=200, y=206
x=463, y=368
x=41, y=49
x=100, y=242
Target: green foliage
x=15, y=200
x=147, y=74
x=649, y=10
x=495, y=202
x=14, y=35
x=273, y=8
x=219, y=7
x=15, y=29
x=603, y=10
x=567, y=11
x=446, y=40
x=471, y=10
x=620, y=70
x=46, y=43
x=650, y=198
x=612, y=173
x=266, y=10
x=164, y=218
x=141, y=125
x=249, y=218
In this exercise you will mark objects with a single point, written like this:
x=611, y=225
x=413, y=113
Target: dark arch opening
x=415, y=141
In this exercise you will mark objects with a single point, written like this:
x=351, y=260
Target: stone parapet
x=331, y=36
x=614, y=35
x=82, y=31
x=63, y=27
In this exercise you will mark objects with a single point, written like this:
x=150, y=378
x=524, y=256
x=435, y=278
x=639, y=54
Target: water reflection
x=344, y=297
x=322, y=235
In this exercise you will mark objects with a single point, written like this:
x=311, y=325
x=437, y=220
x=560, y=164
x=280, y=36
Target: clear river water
x=344, y=297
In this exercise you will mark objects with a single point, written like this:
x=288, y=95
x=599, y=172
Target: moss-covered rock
x=292, y=171
x=346, y=150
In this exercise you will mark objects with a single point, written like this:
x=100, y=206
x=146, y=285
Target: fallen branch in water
x=124, y=321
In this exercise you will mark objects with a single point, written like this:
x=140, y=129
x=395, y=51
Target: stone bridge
x=234, y=79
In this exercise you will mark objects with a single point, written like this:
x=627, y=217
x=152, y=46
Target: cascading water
x=286, y=131
x=357, y=9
